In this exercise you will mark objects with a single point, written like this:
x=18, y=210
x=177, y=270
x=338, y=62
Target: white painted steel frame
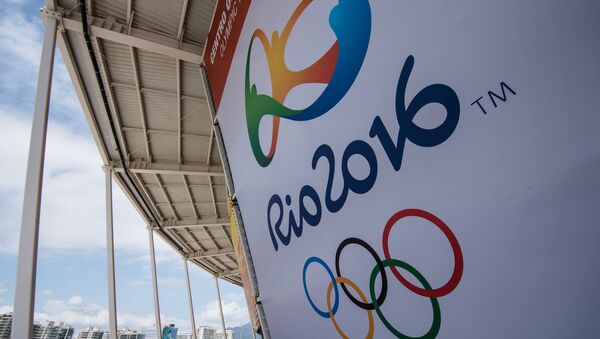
x=113, y=31
x=24, y=302
x=110, y=258
x=190, y=300
x=135, y=39
x=220, y=307
x=154, y=282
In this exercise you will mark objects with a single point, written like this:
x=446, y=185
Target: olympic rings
x=337, y=293
x=393, y=264
x=458, y=258
x=437, y=318
x=364, y=305
x=343, y=281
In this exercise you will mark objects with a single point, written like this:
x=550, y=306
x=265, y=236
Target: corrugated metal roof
x=156, y=97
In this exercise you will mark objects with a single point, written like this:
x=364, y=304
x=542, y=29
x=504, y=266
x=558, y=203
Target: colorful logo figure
x=380, y=268
x=350, y=20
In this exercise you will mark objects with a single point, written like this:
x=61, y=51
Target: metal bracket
x=58, y=15
x=108, y=167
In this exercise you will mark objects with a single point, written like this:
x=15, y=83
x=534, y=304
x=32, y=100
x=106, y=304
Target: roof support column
x=110, y=258
x=154, y=282
x=22, y=326
x=191, y=303
x=220, y=307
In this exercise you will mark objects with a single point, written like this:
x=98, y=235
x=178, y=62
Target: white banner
x=419, y=168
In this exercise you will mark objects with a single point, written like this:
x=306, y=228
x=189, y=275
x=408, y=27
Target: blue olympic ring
x=337, y=295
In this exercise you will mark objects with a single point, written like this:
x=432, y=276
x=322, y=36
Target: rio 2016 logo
x=338, y=68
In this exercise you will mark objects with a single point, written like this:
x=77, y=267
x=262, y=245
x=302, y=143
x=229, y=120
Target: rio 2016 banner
x=417, y=169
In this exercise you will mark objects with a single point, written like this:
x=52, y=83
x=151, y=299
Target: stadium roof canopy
x=152, y=125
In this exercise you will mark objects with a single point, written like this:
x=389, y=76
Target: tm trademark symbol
x=493, y=97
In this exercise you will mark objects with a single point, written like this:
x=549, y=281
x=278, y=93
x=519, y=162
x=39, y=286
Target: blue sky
x=71, y=283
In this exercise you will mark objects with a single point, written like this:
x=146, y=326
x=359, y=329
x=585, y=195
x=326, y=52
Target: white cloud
x=20, y=47
x=234, y=310
x=80, y=314
x=14, y=2
x=76, y=300
x=73, y=201
x=46, y=292
x=3, y=288
x=72, y=216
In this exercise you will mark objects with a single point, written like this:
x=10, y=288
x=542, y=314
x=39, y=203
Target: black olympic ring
x=368, y=247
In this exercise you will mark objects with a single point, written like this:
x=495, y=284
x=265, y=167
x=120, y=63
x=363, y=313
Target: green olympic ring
x=437, y=318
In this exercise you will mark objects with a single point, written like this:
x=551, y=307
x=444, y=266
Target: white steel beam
x=82, y=94
x=148, y=195
x=111, y=98
x=138, y=86
x=154, y=283
x=179, y=115
x=229, y=273
x=166, y=132
x=190, y=196
x=226, y=235
x=173, y=169
x=213, y=197
x=138, y=38
x=212, y=239
x=220, y=307
x=194, y=223
x=180, y=29
x=24, y=302
x=210, y=146
x=110, y=259
x=191, y=235
x=185, y=245
x=159, y=92
x=179, y=186
x=166, y=195
x=129, y=12
x=190, y=301
x=210, y=253
x=187, y=203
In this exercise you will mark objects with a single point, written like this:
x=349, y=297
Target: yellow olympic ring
x=343, y=280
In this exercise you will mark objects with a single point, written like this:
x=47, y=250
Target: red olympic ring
x=458, y=258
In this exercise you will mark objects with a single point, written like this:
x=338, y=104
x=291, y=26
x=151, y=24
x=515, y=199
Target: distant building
x=169, y=332
x=149, y=332
x=185, y=335
x=54, y=330
x=5, y=325
x=127, y=334
x=91, y=333
x=228, y=334
x=38, y=330
x=131, y=334
x=205, y=332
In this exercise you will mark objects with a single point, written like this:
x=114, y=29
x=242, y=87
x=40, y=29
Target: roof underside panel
x=199, y=17
x=172, y=168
